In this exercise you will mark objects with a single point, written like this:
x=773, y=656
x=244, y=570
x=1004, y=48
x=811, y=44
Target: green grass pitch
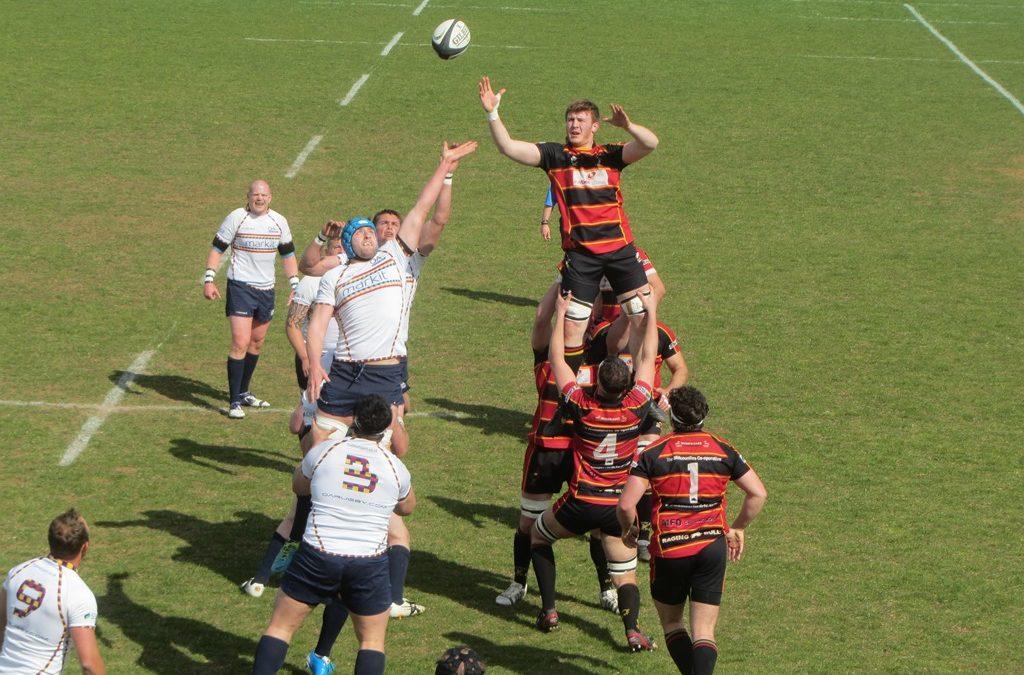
x=836, y=208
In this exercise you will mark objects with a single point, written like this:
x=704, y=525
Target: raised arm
x=314, y=263
x=556, y=347
x=644, y=141
x=520, y=151
x=412, y=225
x=297, y=313
x=753, y=501
x=430, y=237
x=649, y=348
x=541, y=335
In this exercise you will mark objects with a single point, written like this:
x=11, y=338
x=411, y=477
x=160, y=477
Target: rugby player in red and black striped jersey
x=688, y=472
x=548, y=464
x=596, y=236
x=606, y=425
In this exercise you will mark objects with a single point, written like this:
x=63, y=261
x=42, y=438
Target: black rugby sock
x=521, y=556
x=600, y=564
x=543, y=559
x=270, y=655
x=629, y=605
x=398, y=566
x=273, y=548
x=250, y=362
x=680, y=648
x=369, y=662
x=705, y=654
x=333, y=621
x=303, y=505
x=236, y=368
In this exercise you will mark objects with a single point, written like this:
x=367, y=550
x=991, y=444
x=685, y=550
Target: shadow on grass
x=474, y=513
x=476, y=589
x=231, y=549
x=524, y=658
x=215, y=456
x=487, y=418
x=489, y=296
x=174, y=645
x=176, y=388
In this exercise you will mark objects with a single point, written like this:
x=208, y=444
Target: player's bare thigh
x=703, y=618
x=241, y=333
x=371, y=630
x=287, y=617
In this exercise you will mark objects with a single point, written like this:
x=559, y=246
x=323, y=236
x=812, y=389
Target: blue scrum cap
x=350, y=228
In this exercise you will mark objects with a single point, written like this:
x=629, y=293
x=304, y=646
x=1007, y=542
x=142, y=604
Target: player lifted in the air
x=596, y=236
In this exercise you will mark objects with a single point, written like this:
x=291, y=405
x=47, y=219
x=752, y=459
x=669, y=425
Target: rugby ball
x=451, y=38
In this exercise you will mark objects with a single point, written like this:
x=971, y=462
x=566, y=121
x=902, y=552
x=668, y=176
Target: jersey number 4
x=359, y=468
x=606, y=449
x=31, y=593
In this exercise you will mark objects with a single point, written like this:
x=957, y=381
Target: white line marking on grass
x=963, y=57
x=391, y=45
x=356, y=86
x=354, y=4
x=310, y=40
x=303, y=156
x=875, y=18
x=895, y=58
x=420, y=7
x=113, y=397
x=507, y=8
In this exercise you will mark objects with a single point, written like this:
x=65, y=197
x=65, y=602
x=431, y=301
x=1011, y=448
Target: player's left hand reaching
x=619, y=117
x=488, y=99
x=451, y=154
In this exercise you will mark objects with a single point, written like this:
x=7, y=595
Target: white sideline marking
x=507, y=8
x=420, y=7
x=111, y=400
x=970, y=64
x=875, y=18
x=354, y=4
x=356, y=86
x=303, y=156
x=311, y=40
x=391, y=45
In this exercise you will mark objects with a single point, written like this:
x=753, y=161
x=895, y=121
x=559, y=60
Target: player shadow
x=215, y=456
x=487, y=418
x=524, y=658
x=490, y=296
x=176, y=388
x=174, y=645
x=231, y=548
x=474, y=513
x=476, y=589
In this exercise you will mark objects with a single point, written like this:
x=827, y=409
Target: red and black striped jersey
x=689, y=473
x=604, y=437
x=541, y=435
x=597, y=349
x=610, y=309
x=585, y=184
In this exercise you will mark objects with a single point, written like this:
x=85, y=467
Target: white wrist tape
x=493, y=115
x=320, y=238
x=294, y=281
x=209, y=276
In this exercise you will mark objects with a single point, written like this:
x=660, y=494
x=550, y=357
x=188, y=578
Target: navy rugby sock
x=629, y=605
x=543, y=559
x=273, y=548
x=521, y=557
x=250, y=362
x=334, y=619
x=600, y=564
x=369, y=662
x=236, y=367
x=705, y=654
x=303, y=505
x=270, y=655
x=680, y=648
x=398, y=566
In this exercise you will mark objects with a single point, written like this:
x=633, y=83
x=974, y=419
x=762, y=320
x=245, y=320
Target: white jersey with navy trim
x=45, y=600
x=412, y=279
x=355, y=485
x=254, y=241
x=305, y=294
x=370, y=300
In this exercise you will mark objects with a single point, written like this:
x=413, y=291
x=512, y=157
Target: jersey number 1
x=694, y=470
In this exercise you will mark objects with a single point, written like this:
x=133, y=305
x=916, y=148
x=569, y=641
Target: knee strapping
x=625, y=567
x=532, y=508
x=338, y=429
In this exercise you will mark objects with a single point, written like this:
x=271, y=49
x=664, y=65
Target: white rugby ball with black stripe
x=450, y=39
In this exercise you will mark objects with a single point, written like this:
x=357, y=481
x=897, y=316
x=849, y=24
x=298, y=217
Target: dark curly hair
x=614, y=376
x=689, y=408
x=372, y=415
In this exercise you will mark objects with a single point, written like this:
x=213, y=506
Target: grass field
x=836, y=208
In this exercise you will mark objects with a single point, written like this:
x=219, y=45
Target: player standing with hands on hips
x=596, y=236
x=256, y=235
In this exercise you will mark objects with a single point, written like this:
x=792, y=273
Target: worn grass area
x=841, y=239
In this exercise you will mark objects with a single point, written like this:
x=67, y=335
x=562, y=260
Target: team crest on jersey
x=590, y=177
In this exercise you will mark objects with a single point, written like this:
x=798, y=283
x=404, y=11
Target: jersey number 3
x=359, y=468
x=32, y=594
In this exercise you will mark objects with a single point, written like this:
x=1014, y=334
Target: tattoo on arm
x=297, y=314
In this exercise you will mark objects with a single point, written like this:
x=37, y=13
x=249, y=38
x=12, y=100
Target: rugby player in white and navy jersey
x=47, y=606
x=370, y=296
x=256, y=235
x=356, y=484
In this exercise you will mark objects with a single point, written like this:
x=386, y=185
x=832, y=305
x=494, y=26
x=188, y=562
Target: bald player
x=256, y=235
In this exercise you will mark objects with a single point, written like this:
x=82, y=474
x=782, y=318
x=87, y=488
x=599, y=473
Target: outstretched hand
x=619, y=117
x=562, y=303
x=488, y=99
x=451, y=154
x=332, y=229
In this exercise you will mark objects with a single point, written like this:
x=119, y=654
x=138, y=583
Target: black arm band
x=220, y=244
x=286, y=249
